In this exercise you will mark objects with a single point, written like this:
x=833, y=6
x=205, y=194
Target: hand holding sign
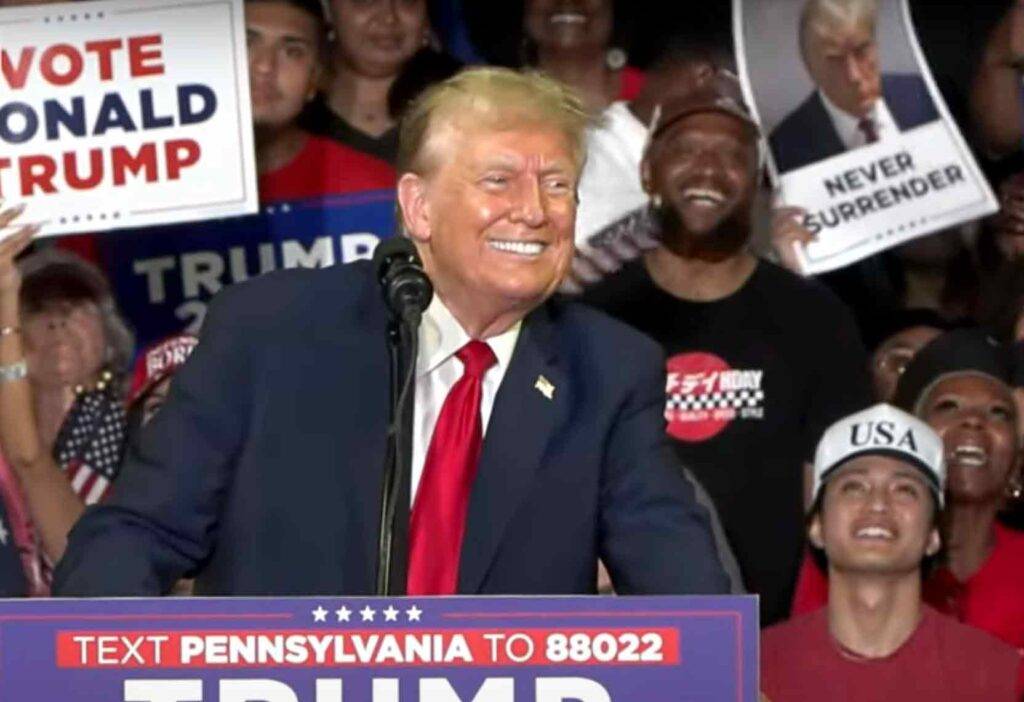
x=788, y=234
x=10, y=248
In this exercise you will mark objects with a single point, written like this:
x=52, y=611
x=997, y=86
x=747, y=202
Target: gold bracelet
x=7, y=331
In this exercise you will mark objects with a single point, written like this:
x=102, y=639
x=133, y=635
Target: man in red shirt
x=878, y=490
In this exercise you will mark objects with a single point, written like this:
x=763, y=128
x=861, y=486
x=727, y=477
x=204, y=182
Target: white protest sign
x=858, y=134
x=125, y=113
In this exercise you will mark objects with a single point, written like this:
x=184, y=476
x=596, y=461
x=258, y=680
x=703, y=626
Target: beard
x=726, y=240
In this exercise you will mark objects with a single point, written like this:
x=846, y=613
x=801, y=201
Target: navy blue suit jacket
x=261, y=475
x=807, y=136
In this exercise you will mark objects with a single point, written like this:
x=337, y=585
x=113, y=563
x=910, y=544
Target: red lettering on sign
x=37, y=171
x=48, y=65
x=180, y=154
x=145, y=55
x=15, y=76
x=4, y=163
x=124, y=161
x=104, y=50
x=75, y=179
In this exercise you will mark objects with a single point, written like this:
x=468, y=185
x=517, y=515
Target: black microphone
x=407, y=290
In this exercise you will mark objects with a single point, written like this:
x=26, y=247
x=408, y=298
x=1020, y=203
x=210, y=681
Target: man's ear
x=412, y=201
x=814, y=532
x=934, y=543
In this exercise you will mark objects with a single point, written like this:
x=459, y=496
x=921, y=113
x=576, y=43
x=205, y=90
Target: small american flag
x=91, y=443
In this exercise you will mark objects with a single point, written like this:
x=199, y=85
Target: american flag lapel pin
x=544, y=387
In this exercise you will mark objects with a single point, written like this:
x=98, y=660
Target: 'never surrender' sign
x=873, y=156
x=118, y=114
x=568, y=649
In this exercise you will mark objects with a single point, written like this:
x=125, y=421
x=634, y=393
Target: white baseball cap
x=882, y=430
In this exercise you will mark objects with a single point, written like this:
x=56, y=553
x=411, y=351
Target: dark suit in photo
x=807, y=135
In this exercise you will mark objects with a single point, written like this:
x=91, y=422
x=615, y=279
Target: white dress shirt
x=846, y=124
x=438, y=369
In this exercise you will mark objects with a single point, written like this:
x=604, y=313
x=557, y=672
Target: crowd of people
x=855, y=437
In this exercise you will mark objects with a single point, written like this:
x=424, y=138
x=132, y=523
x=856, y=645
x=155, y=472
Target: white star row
x=367, y=613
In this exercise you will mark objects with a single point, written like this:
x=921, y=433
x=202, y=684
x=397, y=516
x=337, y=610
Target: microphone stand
x=403, y=343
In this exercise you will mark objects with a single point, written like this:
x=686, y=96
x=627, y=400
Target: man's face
x=843, y=62
x=494, y=219
x=377, y=37
x=976, y=417
x=703, y=168
x=890, y=359
x=876, y=517
x=569, y=24
x=283, y=61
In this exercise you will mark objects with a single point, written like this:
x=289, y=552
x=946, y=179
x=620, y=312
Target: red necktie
x=869, y=129
x=438, y=518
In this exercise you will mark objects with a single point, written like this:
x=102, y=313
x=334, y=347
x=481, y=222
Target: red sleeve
x=811, y=587
x=631, y=82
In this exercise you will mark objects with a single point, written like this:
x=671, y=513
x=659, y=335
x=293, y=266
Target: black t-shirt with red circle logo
x=753, y=380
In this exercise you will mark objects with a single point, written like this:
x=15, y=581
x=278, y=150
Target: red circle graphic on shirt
x=693, y=408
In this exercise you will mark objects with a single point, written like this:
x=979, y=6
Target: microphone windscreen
x=389, y=249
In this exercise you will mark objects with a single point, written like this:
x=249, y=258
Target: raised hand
x=11, y=246
x=788, y=232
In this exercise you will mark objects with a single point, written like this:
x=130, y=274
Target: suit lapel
x=522, y=423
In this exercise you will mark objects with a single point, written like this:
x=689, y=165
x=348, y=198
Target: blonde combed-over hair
x=491, y=99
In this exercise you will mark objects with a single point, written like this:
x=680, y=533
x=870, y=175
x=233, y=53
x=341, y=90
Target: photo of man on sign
x=854, y=102
x=860, y=139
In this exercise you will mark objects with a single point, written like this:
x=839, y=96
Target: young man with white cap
x=879, y=477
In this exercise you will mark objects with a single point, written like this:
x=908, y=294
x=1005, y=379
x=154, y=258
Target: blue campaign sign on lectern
x=335, y=649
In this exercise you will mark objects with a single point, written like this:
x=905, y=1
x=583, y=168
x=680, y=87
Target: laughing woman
x=959, y=384
x=582, y=43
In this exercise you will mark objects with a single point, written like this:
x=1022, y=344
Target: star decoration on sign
x=344, y=614
x=367, y=613
x=413, y=613
x=319, y=614
x=391, y=614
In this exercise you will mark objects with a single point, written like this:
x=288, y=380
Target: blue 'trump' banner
x=164, y=277
x=456, y=649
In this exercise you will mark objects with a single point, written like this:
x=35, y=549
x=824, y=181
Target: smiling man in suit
x=854, y=103
x=538, y=434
